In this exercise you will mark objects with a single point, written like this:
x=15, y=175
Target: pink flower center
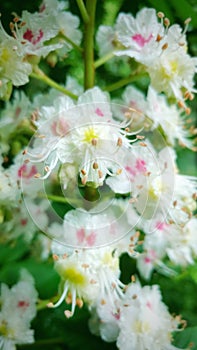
x=140, y=40
x=99, y=112
x=24, y=173
x=33, y=38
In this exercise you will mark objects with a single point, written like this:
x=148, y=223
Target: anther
x=165, y=46
x=160, y=14
x=188, y=110
x=119, y=142
x=100, y=174
x=79, y=303
x=143, y=144
x=83, y=172
x=95, y=165
x=94, y=142
x=67, y=313
x=50, y=304
x=133, y=200
x=47, y=168
x=24, y=152
x=55, y=257
x=37, y=176
x=140, y=137
x=119, y=171
x=166, y=22
x=187, y=21
x=133, y=279
x=159, y=38
x=84, y=180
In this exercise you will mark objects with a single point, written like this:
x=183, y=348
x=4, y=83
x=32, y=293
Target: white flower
x=145, y=323
x=87, y=275
x=92, y=145
x=18, y=308
x=34, y=31
x=182, y=243
x=139, y=36
x=173, y=73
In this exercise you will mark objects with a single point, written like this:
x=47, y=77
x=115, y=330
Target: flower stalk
x=40, y=75
x=89, y=69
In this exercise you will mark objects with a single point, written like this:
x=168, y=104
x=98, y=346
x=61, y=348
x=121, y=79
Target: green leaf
x=164, y=7
x=186, y=337
x=12, y=251
x=46, y=278
x=184, y=10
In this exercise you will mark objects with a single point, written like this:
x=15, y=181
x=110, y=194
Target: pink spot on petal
x=130, y=170
x=26, y=173
x=80, y=235
x=140, y=165
x=28, y=35
x=22, y=304
x=33, y=38
x=161, y=225
x=147, y=260
x=24, y=222
x=140, y=40
x=116, y=315
x=99, y=112
x=91, y=239
x=149, y=305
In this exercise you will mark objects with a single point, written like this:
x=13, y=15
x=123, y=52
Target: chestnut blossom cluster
x=112, y=165
x=159, y=48
x=35, y=36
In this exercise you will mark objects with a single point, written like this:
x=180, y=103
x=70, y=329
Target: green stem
x=103, y=59
x=58, y=199
x=122, y=82
x=89, y=70
x=40, y=75
x=42, y=342
x=75, y=46
x=83, y=11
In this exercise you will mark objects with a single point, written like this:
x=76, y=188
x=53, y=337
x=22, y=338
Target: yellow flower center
x=141, y=327
x=89, y=135
x=171, y=70
x=71, y=274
